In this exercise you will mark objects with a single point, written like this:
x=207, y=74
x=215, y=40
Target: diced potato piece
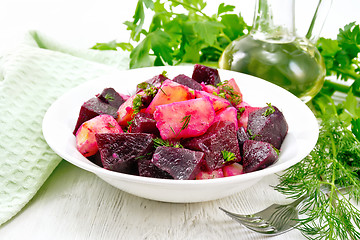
x=233, y=170
x=218, y=173
x=244, y=117
x=209, y=88
x=85, y=135
x=125, y=113
x=242, y=105
x=218, y=102
x=170, y=92
x=184, y=119
x=227, y=114
x=234, y=94
x=231, y=82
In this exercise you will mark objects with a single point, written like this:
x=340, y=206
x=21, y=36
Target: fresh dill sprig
x=333, y=163
x=159, y=142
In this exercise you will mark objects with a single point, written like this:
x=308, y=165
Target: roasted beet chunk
x=258, y=155
x=207, y=75
x=156, y=82
x=111, y=97
x=221, y=136
x=148, y=169
x=187, y=81
x=144, y=122
x=242, y=136
x=268, y=124
x=180, y=163
x=120, y=151
x=93, y=108
x=96, y=159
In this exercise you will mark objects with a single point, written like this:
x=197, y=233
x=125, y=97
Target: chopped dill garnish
x=186, y=121
x=143, y=85
x=137, y=104
x=239, y=112
x=173, y=130
x=109, y=97
x=251, y=134
x=163, y=91
x=228, y=156
x=276, y=150
x=222, y=94
x=226, y=91
x=159, y=142
x=269, y=110
x=151, y=91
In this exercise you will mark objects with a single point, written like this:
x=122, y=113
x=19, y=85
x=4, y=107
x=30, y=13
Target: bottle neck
x=274, y=21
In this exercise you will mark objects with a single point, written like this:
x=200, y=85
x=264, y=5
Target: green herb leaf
x=226, y=91
x=109, y=97
x=158, y=142
x=176, y=36
x=225, y=8
x=113, y=45
x=140, y=56
x=228, y=156
x=151, y=91
x=269, y=110
x=159, y=44
x=355, y=127
x=137, y=104
x=208, y=30
x=139, y=19
x=185, y=122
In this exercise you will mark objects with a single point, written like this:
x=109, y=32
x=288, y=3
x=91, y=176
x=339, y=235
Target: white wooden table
x=75, y=204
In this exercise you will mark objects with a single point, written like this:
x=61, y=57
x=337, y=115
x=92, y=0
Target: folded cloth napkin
x=32, y=77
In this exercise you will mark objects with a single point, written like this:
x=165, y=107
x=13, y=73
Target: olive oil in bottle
x=272, y=51
x=293, y=65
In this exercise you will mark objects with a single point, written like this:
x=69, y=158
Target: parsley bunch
x=179, y=32
x=341, y=57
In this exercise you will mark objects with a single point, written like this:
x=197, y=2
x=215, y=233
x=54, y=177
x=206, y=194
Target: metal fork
x=276, y=219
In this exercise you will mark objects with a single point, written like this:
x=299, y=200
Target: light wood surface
x=75, y=204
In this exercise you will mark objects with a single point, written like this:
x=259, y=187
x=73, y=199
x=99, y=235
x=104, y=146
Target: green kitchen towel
x=32, y=77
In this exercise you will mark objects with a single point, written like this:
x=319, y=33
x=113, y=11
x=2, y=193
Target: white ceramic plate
x=60, y=119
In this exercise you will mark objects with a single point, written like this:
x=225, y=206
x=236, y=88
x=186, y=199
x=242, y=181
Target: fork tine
x=258, y=224
x=253, y=223
x=283, y=216
x=247, y=218
x=265, y=230
x=260, y=227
